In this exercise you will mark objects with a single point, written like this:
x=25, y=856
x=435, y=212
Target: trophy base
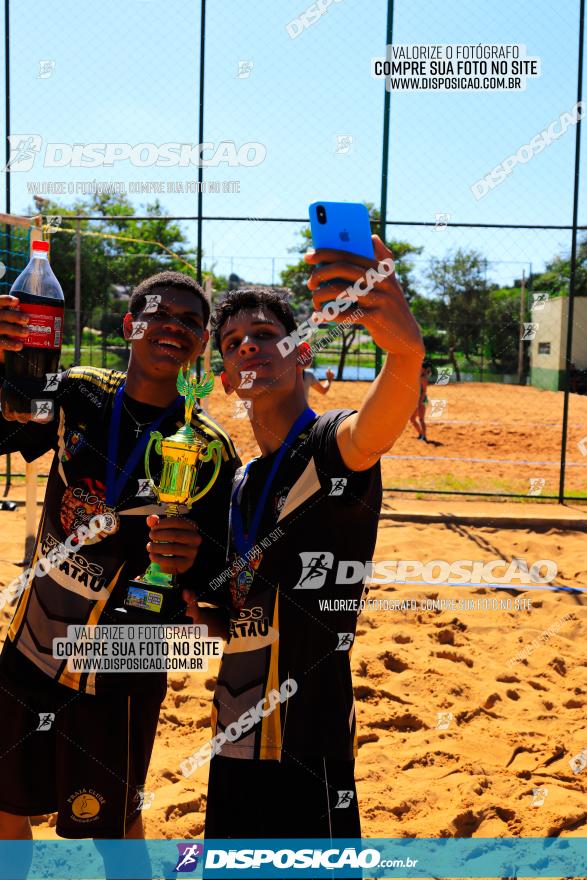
x=148, y=603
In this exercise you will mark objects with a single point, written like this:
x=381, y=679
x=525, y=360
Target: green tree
x=556, y=277
x=113, y=251
x=502, y=328
x=459, y=283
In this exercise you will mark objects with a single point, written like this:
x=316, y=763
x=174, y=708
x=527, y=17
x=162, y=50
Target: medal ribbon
x=114, y=485
x=244, y=542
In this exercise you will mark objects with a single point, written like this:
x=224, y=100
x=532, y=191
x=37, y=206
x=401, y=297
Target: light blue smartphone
x=342, y=226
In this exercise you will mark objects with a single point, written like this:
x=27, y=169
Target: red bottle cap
x=41, y=246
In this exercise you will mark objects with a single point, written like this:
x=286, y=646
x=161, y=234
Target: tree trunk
x=347, y=341
x=453, y=360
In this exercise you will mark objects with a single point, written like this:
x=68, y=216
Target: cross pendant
x=138, y=430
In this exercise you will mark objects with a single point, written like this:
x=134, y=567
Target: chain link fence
x=210, y=168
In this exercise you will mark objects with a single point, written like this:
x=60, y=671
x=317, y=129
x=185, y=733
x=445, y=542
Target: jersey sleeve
x=34, y=439
x=342, y=484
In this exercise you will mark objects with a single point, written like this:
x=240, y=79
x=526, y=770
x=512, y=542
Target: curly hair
x=251, y=298
x=167, y=279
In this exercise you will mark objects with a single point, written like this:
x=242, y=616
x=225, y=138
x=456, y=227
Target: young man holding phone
x=304, y=519
x=88, y=760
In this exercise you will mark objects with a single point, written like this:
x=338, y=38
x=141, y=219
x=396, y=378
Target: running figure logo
x=338, y=484
x=42, y=410
x=144, y=488
x=578, y=762
x=247, y=378
x=245, y=68
x=189, y=855
x=345, y=641
x=442, y=220
x=536, y=485
x=23, y=151
x=344, y=800
x=152, y=301
x=46, y=68
x=46, y=719
x=52, y=381
x=438, y=407
x=144, y=799
x=539, y=300
x=529, y=331
x=444, y=374
x=538, y=796
x=315, y=567
x=138, y=329
x=443, y=720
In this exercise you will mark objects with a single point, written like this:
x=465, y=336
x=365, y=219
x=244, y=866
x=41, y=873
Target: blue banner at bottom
x=340, y=858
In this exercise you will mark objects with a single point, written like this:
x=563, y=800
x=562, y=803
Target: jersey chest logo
x=82, y=500
x=74, y=441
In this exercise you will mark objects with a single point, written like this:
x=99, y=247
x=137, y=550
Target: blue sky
x=128, y=72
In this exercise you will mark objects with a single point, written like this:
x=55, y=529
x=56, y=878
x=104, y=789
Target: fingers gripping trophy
x=155, y=597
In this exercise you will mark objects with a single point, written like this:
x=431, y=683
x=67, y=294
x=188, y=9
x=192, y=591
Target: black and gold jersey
x=284, y=688
x=89, y=583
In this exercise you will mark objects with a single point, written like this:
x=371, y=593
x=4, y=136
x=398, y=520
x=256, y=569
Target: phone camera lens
x=321, y=214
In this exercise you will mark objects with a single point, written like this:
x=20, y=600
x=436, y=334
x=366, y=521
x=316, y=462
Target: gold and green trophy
x=155, y=595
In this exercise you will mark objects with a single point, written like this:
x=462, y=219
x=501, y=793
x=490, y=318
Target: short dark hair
x=251, y=298
x=167, y=279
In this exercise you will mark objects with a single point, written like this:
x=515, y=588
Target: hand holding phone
x=341, y=226
x=371, y=284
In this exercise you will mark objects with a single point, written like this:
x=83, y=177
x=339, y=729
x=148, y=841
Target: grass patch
x=452, y=483
x=92, y=357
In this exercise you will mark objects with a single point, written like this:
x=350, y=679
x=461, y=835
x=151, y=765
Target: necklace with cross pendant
x=139, y=425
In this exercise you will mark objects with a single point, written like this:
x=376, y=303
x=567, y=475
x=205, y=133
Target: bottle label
x=45, y=325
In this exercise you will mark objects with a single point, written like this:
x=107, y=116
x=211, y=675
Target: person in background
x=310, y=381
x=418, y=417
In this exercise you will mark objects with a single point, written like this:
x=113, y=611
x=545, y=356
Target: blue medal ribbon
x=114, y=485
x=242, y=541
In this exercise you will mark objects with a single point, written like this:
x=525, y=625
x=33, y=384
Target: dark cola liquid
x=25, y=371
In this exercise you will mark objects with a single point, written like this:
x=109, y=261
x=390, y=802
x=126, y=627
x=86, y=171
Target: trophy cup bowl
x=154, y=596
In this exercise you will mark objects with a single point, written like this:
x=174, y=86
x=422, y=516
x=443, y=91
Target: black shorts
x=309, y=798
x=85, y=757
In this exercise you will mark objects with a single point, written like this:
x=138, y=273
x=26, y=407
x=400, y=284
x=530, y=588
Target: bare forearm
x=366, y=436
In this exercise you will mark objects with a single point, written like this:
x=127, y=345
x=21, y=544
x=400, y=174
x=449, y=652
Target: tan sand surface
x=489, y=438
x=516, y=720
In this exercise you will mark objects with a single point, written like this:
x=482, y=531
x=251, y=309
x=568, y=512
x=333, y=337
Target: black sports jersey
x=294, y=604
x=91, y=582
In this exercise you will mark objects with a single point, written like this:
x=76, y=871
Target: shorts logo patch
x=85, y=805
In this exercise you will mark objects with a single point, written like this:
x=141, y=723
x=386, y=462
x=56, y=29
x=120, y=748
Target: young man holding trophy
x=79, y=743
x=304, y=519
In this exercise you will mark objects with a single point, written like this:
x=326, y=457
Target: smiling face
x=173, y=334
x=248, y=343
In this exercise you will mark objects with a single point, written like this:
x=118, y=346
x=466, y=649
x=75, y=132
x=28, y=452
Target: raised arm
x=365, y=436
x=322, y=388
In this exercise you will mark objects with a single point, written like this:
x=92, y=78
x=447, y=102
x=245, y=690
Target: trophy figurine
x=155, y=595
